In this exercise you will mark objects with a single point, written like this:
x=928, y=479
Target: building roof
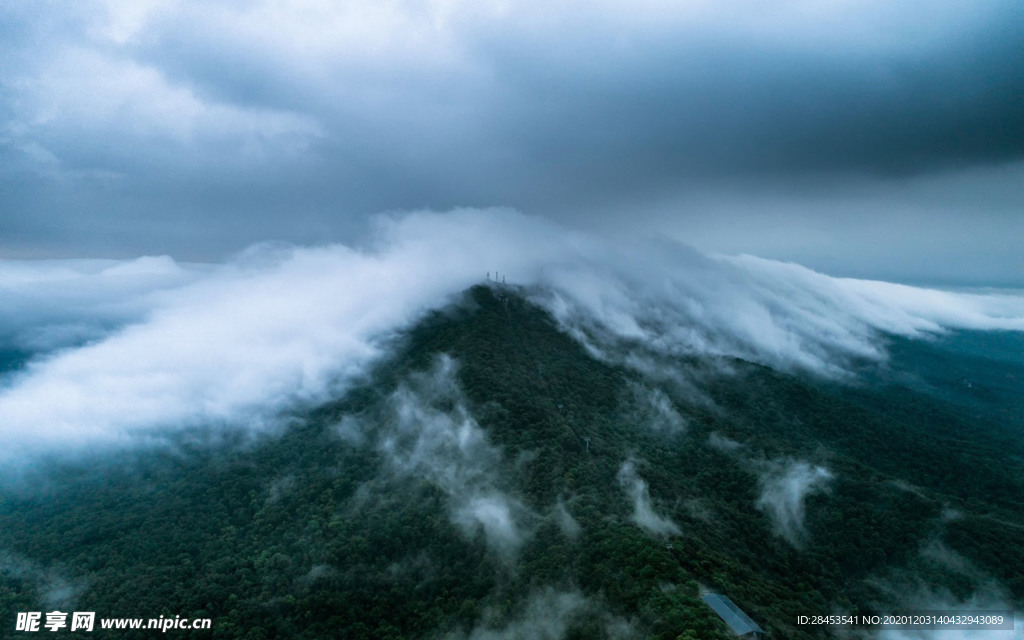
x=738, y=621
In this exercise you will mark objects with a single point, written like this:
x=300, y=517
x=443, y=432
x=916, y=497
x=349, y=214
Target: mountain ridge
x=342, y=524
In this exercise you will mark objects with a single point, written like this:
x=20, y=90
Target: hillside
x=491, y=476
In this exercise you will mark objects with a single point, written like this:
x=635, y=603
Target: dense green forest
x=493, y=476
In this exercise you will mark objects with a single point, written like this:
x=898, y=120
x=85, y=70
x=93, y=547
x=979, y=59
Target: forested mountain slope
x=492, y=476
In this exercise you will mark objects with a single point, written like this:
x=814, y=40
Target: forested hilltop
x=493, y=477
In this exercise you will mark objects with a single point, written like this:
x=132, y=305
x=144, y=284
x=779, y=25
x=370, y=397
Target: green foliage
x=307, y=535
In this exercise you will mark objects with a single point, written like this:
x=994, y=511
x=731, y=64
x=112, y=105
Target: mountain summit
x=495, y=477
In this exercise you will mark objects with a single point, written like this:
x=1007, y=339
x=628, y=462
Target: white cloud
x=493, y=513
x=643, y=511
x=97, y=74
x=785, y=486
x=115, y=107
x=431, y=435
x=723, y=443
x=547, y=615
x=50, y=304
x=54, y=588
x=654, y=410
x=911, y=593
x=674, y=301
x=174, y=346
x=302, y=28
x=566, y=523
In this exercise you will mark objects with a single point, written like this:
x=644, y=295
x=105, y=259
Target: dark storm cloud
x=200, y=128
x=622, y=109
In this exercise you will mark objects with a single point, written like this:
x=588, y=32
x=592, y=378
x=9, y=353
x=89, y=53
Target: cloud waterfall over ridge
x=278, y=328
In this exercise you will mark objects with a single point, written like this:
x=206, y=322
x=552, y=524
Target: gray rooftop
x=738, y=621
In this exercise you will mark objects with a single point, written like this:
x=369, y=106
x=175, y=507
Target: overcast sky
x=869, y=138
